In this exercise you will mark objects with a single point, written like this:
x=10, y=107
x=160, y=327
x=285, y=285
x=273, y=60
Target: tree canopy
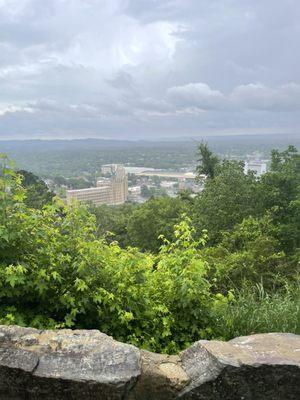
x=222, y=264
x=37, y=192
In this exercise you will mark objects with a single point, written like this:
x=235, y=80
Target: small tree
x=207, y=161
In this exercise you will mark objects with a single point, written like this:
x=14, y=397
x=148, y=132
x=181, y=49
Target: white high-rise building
x=111, y=191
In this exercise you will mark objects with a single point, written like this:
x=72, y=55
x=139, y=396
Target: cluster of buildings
x=168, y=182
x=111, y=189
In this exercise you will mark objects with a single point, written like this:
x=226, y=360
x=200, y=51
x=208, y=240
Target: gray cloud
x=198, y=95
x=141, y=68
x=258, y=96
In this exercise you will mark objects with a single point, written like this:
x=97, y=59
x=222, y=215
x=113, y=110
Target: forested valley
x=161, y=274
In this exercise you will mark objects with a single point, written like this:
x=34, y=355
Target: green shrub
x=55, y=272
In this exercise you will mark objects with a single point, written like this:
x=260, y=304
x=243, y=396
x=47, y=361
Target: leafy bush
x=55, y=273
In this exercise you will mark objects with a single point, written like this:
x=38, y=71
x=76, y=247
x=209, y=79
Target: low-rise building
x=257, y=167
x=109, y=169
x=134, y=190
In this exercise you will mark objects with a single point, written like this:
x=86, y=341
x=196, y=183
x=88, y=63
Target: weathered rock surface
x=265, y=366
x=87, y=365
x=65, y=364
x=162, y=378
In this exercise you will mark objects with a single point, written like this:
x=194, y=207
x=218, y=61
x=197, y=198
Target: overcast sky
x=148, y=68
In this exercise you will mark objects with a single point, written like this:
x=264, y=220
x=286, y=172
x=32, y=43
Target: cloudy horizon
x=148, y=69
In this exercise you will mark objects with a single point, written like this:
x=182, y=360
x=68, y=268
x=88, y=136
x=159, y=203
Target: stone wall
x=83, y=364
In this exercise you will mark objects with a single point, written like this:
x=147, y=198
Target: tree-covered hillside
x=162, y=274
x=72, y=158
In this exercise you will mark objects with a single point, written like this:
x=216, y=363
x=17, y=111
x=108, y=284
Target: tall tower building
x=112, y=190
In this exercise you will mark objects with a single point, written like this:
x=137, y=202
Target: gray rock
x=65, y=364
x=265, y=366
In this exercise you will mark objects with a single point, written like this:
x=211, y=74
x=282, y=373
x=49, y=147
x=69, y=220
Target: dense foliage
x=37, y=193
x=222, y=264
x=55, y=273
x=226, y=200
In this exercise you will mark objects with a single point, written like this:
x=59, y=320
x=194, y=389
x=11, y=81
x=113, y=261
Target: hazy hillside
x=71, y=157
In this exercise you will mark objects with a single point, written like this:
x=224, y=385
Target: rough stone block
x=82, y=364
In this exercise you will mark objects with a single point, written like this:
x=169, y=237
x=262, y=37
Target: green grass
x=256, y=311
